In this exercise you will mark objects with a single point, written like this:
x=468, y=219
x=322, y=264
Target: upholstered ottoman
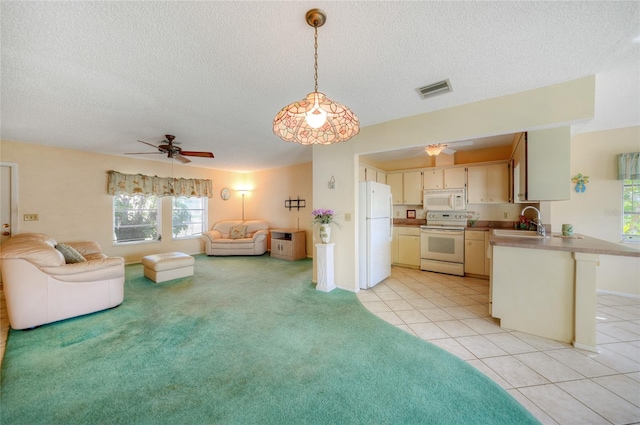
x=167, y=266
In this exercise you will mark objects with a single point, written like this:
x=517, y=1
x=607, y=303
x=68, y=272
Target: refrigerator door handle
x=390, y=217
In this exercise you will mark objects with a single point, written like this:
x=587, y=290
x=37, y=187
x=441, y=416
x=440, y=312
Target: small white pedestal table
x=324, y=252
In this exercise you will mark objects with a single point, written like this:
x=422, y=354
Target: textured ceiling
x=97, y=76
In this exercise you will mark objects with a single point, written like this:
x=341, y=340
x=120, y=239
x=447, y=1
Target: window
x=631, y=211
x=189, y=216
x=136, y=218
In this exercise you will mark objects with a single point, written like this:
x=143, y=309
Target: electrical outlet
x=506, y=215
x=31, y=217
x=397, y=213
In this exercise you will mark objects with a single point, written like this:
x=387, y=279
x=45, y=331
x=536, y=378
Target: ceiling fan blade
x=181, y=158
x=141, y=153
x=147, y=143
x=195, y=153
x=448, y=151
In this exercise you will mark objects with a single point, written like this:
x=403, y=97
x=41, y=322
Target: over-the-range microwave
x=445, y=199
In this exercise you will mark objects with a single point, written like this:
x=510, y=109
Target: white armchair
x=42, y=287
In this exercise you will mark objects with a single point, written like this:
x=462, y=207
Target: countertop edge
x=586, y=245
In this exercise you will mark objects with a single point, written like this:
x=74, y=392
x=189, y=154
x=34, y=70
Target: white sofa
x=41, y=287
x=221, y=240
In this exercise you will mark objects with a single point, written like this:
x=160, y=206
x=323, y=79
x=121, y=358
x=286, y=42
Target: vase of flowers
x=324, y=218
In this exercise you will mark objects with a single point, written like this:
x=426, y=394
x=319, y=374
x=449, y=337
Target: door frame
x=14, y=196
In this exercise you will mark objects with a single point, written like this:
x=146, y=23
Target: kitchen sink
x=510, y=233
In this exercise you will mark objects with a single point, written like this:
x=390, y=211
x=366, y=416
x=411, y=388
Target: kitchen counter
x=547, y=287
x=579, y=243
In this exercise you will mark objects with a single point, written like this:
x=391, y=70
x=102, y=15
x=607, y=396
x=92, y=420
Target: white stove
x=442, y=242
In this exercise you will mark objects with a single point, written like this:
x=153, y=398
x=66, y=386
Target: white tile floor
x=556, y=382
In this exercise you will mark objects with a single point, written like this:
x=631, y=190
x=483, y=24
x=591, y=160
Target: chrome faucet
x=538, y=221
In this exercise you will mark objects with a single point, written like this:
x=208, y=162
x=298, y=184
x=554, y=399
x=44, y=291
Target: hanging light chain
x=315, y=56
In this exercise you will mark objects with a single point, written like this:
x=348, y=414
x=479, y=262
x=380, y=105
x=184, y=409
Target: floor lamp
x=243, y=192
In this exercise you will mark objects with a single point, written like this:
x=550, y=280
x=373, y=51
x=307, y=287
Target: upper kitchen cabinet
x=541, y=165
x=369, y=173
x=412, y=186
x=406, y=187
x=488, y=184
x=444, y=178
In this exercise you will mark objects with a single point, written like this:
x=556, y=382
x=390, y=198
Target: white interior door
x=8, y=201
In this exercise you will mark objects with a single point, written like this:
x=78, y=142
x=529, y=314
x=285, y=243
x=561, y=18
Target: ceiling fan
x=437, y=148
x=172, y=151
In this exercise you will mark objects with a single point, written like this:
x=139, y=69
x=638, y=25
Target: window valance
x=629, y=166
x=159, y=186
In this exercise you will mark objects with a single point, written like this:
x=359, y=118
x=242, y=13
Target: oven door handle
x=448, y=232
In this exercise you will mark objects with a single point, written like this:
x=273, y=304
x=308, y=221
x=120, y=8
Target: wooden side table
x=288, y=244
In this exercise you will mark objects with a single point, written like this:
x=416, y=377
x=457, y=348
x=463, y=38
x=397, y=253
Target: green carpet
x=247, y=340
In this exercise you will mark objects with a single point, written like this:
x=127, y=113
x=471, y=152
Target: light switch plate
x=31, y=217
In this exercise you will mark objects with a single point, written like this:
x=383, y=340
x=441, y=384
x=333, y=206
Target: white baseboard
x=620, y=294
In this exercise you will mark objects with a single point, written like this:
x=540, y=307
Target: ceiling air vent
x=435, y=89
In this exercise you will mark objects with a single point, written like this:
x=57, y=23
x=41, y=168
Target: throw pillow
x=237, y=232
x=71, y=255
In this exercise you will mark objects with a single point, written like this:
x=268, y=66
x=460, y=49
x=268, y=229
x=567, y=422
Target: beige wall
x=563, y=103
x=67, y=189
x=597, y=212
x=272, y=188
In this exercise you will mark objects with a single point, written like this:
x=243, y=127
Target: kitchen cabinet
x=412, y=187
x=408, y=253
x=444, y=178
x=488, y=184
x=395, y=181
x=288, y=244
x=394, y=246
x=368, y=173
x=406, y=187
x=475, y=252
x=541, y=165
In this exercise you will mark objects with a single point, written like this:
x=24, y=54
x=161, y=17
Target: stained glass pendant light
x=316, y=119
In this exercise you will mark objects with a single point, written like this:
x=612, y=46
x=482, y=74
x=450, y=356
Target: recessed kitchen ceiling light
x=435, y=89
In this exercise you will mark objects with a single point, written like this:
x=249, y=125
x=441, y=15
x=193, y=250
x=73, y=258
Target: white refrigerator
x=375, y=221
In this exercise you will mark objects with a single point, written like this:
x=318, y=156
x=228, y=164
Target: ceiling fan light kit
x=316, y=119
x=433, y=150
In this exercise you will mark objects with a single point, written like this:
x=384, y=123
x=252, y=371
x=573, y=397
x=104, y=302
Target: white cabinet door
x=395, y=181
x=474, y=252
x=520, y=171
x=362, y=176
x=381, y=177
x=488, y=184
x=412, y=186
x=409, y=250
x=477, y=185
x=548, y=164
x=394, y=246
x=498, y=183
x=454, y=178
x=433, y=178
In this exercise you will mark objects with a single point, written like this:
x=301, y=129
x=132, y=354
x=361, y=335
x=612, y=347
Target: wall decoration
x=225, y=193
x=580, y=182
x=411, y=213
x=295, y=203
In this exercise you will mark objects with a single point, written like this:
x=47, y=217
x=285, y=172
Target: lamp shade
x=435, y=149
x=291, y=123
